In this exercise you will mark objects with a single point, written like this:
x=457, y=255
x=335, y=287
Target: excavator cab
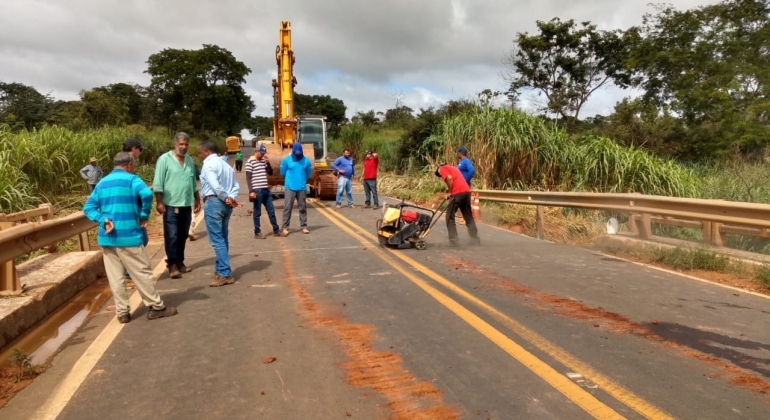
x=312, y=130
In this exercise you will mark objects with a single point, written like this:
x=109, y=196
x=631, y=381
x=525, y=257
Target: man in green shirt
x=238, y=161
x=177, y=197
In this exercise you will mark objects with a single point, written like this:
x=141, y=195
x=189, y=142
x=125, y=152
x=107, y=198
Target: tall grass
x=43, y=165
x=358, y=139
x=512, y=149
x=735, y=181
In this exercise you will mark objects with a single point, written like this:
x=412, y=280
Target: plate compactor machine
x=405, y=226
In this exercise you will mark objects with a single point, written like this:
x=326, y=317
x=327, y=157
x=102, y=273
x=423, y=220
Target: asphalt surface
x=514, y=328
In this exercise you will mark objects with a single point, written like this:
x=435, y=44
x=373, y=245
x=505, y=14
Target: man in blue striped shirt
x=219, y=190
x=113, y=205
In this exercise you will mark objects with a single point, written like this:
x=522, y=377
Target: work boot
x=366, y=206
x=125, y=318
x=161, y=313
x=173, y=271
x=221, y=281
x=183, y=268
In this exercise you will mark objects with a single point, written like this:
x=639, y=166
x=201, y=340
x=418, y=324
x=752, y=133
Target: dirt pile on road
x=408, y=397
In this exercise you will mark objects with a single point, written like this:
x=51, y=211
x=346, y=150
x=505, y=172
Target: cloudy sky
x=363, y=52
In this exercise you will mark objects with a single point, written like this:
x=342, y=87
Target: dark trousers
x=264, y=197
x=288, y=205
x=175, y=229
x=462, y=202
x=238, y=165
x=370, y=187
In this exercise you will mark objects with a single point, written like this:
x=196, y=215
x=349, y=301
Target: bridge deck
x=515, y=328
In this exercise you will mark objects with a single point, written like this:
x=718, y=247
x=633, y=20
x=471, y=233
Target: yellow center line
x=569, y=389
x=617, y=391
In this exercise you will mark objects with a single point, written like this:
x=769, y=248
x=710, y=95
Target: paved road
x=514, y=328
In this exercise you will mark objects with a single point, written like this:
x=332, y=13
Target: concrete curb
x=50, y=280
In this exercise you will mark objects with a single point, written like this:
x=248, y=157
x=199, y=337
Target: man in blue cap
x=257, y=170
x=295, y=170
x=467, y=170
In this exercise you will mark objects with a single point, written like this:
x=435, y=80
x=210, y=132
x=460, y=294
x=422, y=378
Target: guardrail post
x=717, y=237
x=644, y=226
x=85, y=244
x=540, y=222
x=9, y=278
x=632, y=223
x=45, y=217
x=706, y=229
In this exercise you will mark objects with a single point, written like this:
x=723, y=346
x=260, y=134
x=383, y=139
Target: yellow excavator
x=309, y=130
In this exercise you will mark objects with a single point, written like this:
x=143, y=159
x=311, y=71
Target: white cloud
x=359, y=51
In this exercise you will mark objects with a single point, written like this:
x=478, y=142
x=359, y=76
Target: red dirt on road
x=407, y=396
x=617, y=323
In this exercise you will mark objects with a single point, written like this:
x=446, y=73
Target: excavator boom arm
x=284, y=122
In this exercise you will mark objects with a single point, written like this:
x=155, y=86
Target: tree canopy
x=333, y=108
x=711, y=66
x=206, y=83
x=567, y=63
x=22, y=106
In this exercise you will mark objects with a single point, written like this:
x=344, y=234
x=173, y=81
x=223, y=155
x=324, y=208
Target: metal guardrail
x=714, y=217
x=17, y=240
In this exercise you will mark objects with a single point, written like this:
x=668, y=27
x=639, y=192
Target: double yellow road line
x=569, y=389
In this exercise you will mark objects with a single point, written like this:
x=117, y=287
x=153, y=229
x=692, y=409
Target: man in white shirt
x=219, y=190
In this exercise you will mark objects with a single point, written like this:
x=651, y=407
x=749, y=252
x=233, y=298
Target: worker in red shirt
x=370, y=178
x=459, y=198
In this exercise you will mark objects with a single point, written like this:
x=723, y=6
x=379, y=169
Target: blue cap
x=297, y=149
x=262, y=149
x=462, y=150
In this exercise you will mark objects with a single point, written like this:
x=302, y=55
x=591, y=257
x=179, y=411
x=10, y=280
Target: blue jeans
x=264, y=197
x=175, y=229
x=217, y=214
x=344, y=184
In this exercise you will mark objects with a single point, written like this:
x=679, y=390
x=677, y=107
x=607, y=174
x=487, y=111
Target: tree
x=486, y=97
x=132, y=96
x=639, y=123
x=332, y=108
x=401, y=116
x=368, y=118
x=22, y=106
x=567, y=64
x=69, y=114
x=100, y=109
x=711, y=66
x=205, y=83
x=261, y=125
